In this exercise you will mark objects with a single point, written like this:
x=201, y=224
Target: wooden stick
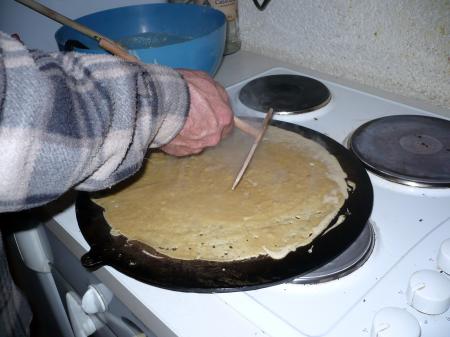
x=253, y=148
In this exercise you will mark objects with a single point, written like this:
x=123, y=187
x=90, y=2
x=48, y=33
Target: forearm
x=78, y=121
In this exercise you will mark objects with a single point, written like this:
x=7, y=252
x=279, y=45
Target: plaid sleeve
x=78, y=120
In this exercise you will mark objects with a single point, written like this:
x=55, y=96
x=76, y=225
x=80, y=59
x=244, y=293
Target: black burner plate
x=409, y=149
x=286, y=94
x=345, y=263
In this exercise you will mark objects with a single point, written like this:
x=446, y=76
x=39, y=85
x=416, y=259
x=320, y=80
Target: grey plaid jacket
x=75, y=121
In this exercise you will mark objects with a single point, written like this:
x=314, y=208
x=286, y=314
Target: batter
x=185, y=208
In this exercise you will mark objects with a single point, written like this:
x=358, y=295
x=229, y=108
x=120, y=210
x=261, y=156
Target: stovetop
x=410, y=224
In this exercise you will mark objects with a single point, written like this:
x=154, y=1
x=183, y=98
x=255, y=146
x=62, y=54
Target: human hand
x=210, y=117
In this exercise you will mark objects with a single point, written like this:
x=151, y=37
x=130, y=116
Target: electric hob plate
x=345, y=263
x=409, y=149
x=286, y=94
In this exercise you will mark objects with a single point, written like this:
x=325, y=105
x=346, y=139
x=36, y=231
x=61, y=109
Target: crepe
x=184, y=208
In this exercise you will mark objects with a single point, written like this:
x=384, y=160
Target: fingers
x=216, y=101
x=180, y=150
x=210, y=117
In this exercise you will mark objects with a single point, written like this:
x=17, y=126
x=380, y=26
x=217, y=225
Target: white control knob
x=429, y=292
x=394, y=322
x=92, y=301
x=82, y=325
x=443, y=259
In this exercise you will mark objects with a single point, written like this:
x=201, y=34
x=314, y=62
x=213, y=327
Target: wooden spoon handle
x=245, y=127
x=115, y=49
x=50, y=13
x=103, y=41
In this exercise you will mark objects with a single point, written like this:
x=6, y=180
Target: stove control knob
x=443, y=259
x=429, y=292
x=96, y=299
x=394, y=322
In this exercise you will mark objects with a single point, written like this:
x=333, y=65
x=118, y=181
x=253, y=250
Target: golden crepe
x=184, y=208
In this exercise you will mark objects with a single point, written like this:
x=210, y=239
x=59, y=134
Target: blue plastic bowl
x=175, y=35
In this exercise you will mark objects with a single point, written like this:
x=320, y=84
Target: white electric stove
x=410, y=225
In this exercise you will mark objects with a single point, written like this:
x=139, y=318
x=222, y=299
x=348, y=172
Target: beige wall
x=402, y=46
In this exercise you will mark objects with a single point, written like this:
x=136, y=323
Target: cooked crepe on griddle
x=184, y=208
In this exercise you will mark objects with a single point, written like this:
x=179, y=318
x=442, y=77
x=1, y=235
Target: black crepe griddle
x=143, y=263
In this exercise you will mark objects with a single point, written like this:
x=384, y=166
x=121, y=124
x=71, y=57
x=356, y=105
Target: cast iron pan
x=128, y=257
